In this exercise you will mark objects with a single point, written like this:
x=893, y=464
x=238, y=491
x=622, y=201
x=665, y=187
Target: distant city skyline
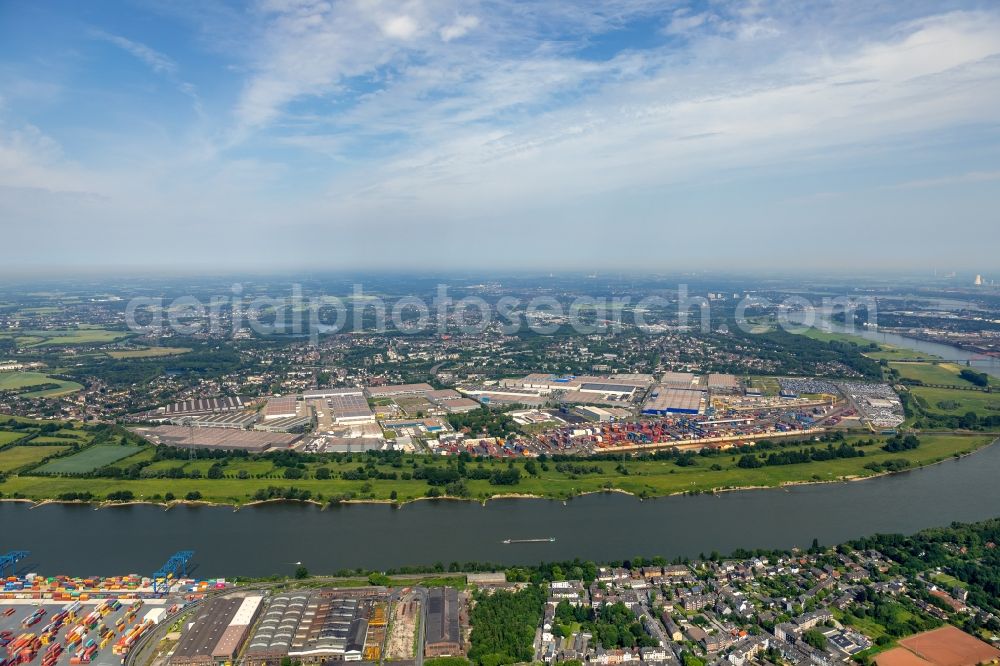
x=537, y=135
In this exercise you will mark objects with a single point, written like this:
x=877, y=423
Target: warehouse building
x=718, y=383
x=218, y=633
x=287, y=424
x=679, y=380
x=332, y=628
x=622, y=391
x=231, y=420
x=398, y=390
x=281, y=407
x=663, y=400
x=459, y=405
x=442, y=637
x=272, y=640
x=350, y=409
x=321, y=394
x=199, y=406
x=507, y=396
x=217, y=438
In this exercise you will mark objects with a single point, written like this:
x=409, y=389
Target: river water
x=270, y=539
x=987, y=364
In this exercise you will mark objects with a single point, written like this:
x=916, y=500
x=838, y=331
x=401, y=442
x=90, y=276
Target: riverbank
x=599, y=526
x=640, y=478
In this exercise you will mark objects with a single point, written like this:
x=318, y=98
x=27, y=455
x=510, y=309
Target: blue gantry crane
x=10, y=560
x=175, y=567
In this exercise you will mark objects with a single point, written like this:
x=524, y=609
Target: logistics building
x=200, y=406
x=273, y=639
x=217, y=438
x=663, y=400
x=680, y=380
x=218, y=633
x=332, y=393
x=333, y=628
x=718, y=383
x=350, y=409
x=281, y=407
x=443, y=636
x=398, y=390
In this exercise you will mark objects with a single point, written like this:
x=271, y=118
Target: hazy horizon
x=149, y=136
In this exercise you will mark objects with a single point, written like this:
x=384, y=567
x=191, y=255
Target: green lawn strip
x=947, y=580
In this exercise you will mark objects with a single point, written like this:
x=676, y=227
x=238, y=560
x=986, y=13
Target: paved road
x=422, y=594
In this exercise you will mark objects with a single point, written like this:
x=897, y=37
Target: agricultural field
x=17, y=457
x=89, y=459
x=12, y=381
x=72, y=336
x=149, y=352
x=59, y=439
x=8, y=437
x=956, y=402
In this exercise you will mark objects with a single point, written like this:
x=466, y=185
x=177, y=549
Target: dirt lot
x=404, y=624
x=949, y=646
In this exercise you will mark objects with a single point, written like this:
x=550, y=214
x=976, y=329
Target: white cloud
x=462, y=26
x=158, y=62
x=400, y=27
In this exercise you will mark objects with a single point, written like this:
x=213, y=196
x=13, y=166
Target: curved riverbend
x=269, y=539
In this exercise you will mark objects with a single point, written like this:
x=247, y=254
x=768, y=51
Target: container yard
x=685, y=432
x=94, y=631
x=67, y=588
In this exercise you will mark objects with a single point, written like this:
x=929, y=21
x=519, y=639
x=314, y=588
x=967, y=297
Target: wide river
x=269, y=539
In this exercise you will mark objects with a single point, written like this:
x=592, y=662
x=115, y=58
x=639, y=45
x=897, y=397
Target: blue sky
x=561, y=134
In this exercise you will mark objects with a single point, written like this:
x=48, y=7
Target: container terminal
x=64, y=620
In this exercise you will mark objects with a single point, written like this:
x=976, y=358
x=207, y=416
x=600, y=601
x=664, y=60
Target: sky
x=536, y=134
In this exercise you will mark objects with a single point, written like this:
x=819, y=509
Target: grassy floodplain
x=955, y=402
x=643, y=477
x=941, y=373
